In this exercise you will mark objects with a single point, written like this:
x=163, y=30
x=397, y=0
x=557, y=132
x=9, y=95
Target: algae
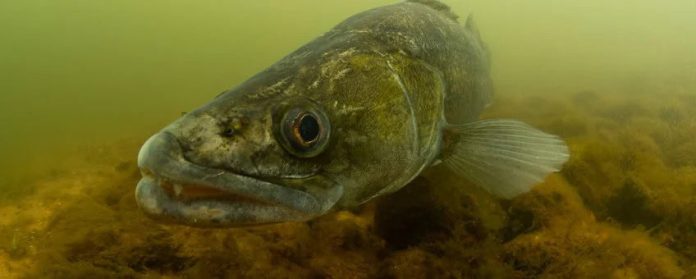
x=623, y=207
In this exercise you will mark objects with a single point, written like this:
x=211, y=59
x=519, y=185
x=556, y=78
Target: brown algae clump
x=567, y=242
x=623, y=207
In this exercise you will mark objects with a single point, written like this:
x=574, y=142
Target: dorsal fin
x=472, y=27
x=438, y=6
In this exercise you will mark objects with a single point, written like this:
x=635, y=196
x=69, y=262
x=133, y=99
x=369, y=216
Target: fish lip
x=160, y=205
x=161, y=159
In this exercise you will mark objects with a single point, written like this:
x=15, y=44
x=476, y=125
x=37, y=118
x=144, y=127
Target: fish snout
x=157, y=149
x=211, y=141
x=176, y=190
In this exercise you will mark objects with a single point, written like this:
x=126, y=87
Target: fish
x=354, y=114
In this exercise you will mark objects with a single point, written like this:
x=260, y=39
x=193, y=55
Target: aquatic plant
x=623, y=207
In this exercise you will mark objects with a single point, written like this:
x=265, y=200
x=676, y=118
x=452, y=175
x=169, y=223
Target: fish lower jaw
x=202, y=206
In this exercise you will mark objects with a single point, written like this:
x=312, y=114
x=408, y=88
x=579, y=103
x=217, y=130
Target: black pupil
x=309, y=128
x=228, y=132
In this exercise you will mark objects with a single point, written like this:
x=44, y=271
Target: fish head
x=242, y=159
x=324, y=126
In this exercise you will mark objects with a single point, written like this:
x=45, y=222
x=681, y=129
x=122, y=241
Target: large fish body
x=356, y=113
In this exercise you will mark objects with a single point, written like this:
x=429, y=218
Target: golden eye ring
x=304, y=131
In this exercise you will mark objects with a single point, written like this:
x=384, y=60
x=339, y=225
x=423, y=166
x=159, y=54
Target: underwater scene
x=415, y=139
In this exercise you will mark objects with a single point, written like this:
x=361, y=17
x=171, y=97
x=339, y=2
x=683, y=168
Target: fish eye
x=306, y=128
x=304, y=132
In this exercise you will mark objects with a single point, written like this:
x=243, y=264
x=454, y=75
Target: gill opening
x=407, y=96
x=413, y=170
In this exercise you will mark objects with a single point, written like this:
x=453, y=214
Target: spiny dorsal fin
x=472, y=27
x=438, y=6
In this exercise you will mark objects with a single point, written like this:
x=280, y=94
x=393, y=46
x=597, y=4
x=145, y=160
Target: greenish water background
x=78, y=73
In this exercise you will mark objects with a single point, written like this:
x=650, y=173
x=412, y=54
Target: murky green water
x=82, y=83
x=77, y=72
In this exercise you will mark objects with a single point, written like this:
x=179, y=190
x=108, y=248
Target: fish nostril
x=227, y=132
x=231, y=126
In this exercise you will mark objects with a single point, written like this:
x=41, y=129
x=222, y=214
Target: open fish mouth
x=175, y=190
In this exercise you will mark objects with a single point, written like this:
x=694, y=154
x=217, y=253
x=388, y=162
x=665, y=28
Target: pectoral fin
x=505, y=157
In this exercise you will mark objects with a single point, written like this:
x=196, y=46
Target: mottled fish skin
x=388, y=79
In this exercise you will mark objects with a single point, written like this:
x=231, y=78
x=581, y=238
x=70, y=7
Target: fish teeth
x=177, y=189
